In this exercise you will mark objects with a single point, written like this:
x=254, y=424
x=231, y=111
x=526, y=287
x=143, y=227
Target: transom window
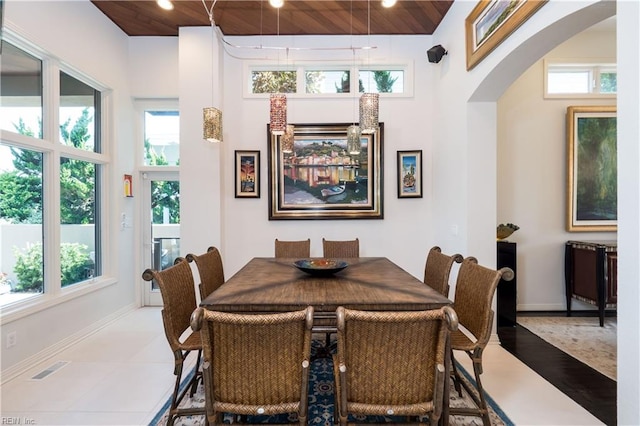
x=329, y=80
x=577, y=79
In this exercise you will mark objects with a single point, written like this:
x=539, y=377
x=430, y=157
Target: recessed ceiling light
x=165, y=4
x=276, y=3
x=388, y=3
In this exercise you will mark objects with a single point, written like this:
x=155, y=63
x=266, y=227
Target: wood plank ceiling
x=297, y=17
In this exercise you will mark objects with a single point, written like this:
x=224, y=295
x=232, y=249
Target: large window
x=51, y=166
x=79, y=104
x=21, y=91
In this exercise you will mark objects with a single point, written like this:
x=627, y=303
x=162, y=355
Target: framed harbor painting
x=247, y=174
x=410, y=174
x=491, y=22
x=592, y=169
x=319, y=178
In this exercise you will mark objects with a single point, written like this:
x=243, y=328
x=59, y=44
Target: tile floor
x=123, y=374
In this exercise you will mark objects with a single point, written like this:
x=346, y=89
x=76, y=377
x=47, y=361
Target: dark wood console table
x=591, y=274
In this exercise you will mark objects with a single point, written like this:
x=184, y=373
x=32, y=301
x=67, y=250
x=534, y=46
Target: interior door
x=160, y=226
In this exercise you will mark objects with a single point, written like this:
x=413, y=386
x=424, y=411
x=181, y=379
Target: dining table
x=271, y=285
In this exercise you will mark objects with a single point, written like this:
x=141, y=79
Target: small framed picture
x=410, y=174
x=128, y=185
x=247, y=174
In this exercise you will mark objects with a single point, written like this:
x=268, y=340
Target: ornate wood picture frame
x=491, y=22
x=592, y=170
x=319, y=179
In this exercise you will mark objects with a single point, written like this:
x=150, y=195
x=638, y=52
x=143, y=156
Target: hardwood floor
x=589, y=388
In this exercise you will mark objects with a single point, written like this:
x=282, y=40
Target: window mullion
x=51, y=222
x=51, y=183
x=50, y=101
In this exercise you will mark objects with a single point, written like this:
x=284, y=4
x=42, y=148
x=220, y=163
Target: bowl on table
x=321, y=267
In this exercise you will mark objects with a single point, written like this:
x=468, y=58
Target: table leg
x=601, y=282
x=568, y=275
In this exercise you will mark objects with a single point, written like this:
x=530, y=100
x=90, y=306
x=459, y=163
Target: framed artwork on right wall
x=592, y=168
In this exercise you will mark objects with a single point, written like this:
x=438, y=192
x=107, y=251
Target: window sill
x=15, y=311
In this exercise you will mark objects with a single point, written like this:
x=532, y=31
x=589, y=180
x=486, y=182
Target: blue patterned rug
x=321, y=401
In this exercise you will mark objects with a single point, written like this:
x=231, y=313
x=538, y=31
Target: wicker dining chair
x=255, y=364
x=293, y=249
x=177, y=288
x=392, y=363
x=340, y=249
x=438, y=268
x=210, y=269
x=475, y=288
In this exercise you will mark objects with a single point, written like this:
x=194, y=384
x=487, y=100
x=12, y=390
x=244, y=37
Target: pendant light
x=278, y=113
x=211, y=116
x=369, y=102
x=278, y=104
x=287, y=139
x=353, y=132
x=369, y=106
x=212, y=124
x=353, y=140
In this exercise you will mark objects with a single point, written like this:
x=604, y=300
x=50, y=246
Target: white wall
x=208, y=201
x=550, y=26
x=532, y=161
x=153, y=67
x=92, y=45
x=457, y=113
x=628, y=40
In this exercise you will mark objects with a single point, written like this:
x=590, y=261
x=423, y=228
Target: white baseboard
x=494, y=339
x=576, y=305
x=15, y=370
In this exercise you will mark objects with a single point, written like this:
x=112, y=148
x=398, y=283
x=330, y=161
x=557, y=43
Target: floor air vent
x=50, y=370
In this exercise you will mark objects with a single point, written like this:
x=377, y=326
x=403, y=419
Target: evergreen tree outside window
x=26, y=150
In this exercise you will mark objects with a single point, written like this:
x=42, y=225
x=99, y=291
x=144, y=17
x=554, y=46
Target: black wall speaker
x=436, y=53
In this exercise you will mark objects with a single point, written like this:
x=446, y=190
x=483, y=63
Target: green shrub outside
x=74, y=264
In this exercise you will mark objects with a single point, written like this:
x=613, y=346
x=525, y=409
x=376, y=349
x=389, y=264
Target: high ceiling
x=297, y=17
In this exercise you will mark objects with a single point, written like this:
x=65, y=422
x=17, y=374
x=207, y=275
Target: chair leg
x=484, y=411
x=198, y=375
x=456, y=376
x=479, y=399
x=178, y=396
x=177, y=371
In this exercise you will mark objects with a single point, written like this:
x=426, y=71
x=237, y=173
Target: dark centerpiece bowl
x=320, y=267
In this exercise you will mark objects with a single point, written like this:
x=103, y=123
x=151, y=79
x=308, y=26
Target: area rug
x=580, y=337
x=321, y=403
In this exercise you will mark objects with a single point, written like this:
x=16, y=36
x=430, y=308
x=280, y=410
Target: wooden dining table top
x=367, y=283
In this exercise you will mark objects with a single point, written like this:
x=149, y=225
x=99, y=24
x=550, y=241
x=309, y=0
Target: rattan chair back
x=438, y=268
x=211, y=270
x=475, y=287
x=340, y=249
x=177, y=288
x=391, y=363
x=293, y=249
x=255, y=363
